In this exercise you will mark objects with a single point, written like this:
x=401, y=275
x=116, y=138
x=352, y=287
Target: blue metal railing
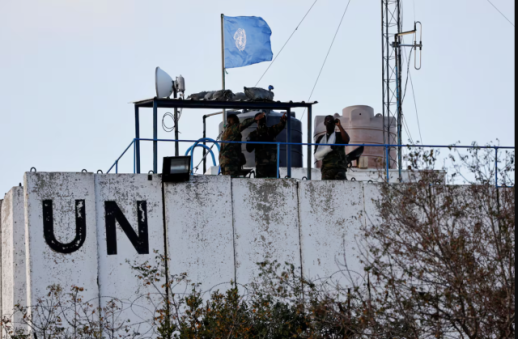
x=116, y=163
x=278, y=144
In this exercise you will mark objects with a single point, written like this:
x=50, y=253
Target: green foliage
x=279, y=303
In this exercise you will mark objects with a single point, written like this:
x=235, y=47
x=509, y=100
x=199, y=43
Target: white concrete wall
x=45, y=265
x=117, y=280
x=331, y=217
x=199, y=231
x=371, y=194
x=1, y=309
x=296, y=172
x=217, y=230
x=266, y=224
x=7, y=254
x=14, y=287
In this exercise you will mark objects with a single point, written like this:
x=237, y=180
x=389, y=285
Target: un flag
x=247, y=41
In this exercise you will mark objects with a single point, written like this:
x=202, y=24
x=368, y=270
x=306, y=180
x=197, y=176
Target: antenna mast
x=390, y=26
x=391, y=65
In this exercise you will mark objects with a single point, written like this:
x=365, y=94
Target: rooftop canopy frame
x=156, y=103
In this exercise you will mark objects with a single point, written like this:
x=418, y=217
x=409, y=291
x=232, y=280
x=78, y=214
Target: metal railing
x=387, y=147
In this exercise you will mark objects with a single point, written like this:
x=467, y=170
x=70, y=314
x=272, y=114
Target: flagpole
x=223, y=59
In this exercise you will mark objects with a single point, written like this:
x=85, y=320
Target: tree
x=67, y=315
x=443, y=256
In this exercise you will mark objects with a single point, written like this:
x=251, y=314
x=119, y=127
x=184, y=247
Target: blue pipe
x=191, y=149
x=211, y=140
x=207, y=139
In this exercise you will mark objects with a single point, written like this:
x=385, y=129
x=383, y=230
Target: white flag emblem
x=240, y=38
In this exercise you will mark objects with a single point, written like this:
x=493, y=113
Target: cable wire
x=501, y=13
x=296, y=28
x=416, y=112
x=405, y=124
x=170, y=115
x=327, y=55
x=409, y=76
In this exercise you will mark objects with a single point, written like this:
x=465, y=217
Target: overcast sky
x=68, y=70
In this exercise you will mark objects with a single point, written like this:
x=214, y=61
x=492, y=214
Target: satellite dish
x=163, y=84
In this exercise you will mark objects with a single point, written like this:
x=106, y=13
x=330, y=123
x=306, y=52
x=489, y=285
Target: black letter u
x=48, y=228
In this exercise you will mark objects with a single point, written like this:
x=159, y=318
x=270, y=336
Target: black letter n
x=113, y=214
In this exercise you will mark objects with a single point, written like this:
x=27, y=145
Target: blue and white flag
x=247, y=41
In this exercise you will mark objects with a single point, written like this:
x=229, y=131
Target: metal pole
x=310, y=137
x=155, y=136
x=400, y=108
x=176, y=144
x=387, y=77
x=278, y=157
x=387, y=163
x=288, y=147
x=204, y=143
x=137, y=137
x=223, y=60
x=383, y=71
x=496, y=167
x=399, y=111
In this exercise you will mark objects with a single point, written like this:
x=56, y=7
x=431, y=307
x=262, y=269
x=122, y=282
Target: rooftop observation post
x=156, y=103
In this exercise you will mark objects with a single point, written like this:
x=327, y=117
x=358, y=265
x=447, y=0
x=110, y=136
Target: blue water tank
x=273, y=118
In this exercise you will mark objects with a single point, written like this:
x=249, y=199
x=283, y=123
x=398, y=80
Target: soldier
x=230, y=154
x=334, y=159
x=265, y=155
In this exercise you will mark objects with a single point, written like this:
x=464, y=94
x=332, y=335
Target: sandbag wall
x=87, y=230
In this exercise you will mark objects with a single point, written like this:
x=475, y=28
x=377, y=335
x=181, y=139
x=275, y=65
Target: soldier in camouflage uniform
x=265, y=155
x=334, y=164
x=230, y=154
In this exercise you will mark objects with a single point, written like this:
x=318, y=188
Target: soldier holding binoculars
x=334, y=159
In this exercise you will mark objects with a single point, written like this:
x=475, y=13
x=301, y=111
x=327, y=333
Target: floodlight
x=164, y=84
x=176, y=169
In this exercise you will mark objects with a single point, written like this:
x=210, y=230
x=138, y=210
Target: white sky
x=68, y=70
